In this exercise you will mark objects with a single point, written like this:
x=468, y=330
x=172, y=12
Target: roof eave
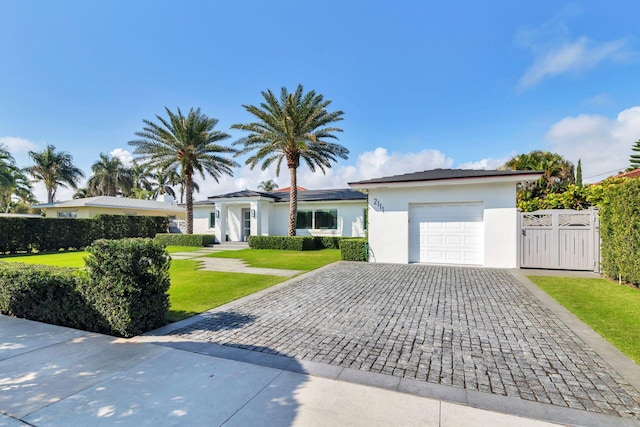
x=450, y=181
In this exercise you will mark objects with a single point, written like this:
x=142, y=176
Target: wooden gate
x=560, y=239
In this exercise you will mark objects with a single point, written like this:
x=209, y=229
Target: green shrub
x=354, y=250
x=122, y=293
x=620, y=232
x=176, y=239
x=46, y=294
x=52, y=234
x=328, y=242
x=128, y=281
x=287, y=243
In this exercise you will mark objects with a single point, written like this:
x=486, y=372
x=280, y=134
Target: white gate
x=560, y=239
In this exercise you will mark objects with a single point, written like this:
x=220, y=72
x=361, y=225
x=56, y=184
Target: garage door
x=446, y=233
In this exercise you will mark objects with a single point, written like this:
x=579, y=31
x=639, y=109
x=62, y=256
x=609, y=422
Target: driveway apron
x=473, y=328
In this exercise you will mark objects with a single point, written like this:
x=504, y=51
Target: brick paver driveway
x=475, y=328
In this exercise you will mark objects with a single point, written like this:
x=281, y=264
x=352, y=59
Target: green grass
x=612, y=310
x=74, y=259
x=289, y=260
x=194, y=291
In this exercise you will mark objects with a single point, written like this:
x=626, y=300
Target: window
x=325, y=219
x=212, y=220
x=304, y=220
x=67, y=214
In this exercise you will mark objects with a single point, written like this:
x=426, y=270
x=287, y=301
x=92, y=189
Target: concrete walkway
x=229, y=265
x=56, y=376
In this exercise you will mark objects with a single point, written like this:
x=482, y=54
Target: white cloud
x=125, y=156
x=17, y=145
x=555, y=52
x=603, y=144
x=484, y=163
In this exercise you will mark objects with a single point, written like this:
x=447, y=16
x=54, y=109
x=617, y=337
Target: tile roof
x=112, y=202
x=444, y=174
x=635, y=173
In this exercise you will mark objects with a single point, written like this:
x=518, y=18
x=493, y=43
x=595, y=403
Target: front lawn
x=194, y=290
x=610, y=309
x=288, y=260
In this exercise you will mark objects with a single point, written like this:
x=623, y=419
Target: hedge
x=123, y=292
x=185, y=239
x=354, y=250
x=620, y=232
x=52, y=234
x=288, y=243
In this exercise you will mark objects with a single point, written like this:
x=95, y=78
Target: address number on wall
x=378, y=205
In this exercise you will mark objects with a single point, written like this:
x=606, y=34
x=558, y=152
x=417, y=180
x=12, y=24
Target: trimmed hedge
x=354, y=250
x=620, y=232
x=287, y=243
x=52, y=234
x=123, y=292
x=185, y=239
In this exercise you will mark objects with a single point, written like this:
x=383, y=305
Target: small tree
x=579, y=173
x=634, y=159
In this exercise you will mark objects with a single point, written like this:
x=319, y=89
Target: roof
x=447, y=174
x=287, y=189
x=112, y=202
x=341, y=194
x=633, y=174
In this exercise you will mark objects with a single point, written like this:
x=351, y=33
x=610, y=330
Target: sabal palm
x=110, y=177
x=185, y=144
x=54, y=169
x=293, y=128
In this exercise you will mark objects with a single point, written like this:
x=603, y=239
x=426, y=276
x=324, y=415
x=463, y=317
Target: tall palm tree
x=110, y=177
x=188, y=144
x=268, y=185
x=292, y=128
x=163, y=186
x=54, y=169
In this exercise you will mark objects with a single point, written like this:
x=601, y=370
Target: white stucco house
x=89, y=207
x=236, y=216
x=445, y=216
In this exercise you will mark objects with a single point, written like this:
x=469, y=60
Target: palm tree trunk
x=293, y=201
x=188, y=178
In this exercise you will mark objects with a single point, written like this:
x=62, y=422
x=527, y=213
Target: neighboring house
x=236, y=216
x=445, y=216
x=91, y=206
x=632, y=174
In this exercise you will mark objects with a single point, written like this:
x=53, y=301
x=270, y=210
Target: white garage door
x=446, y=233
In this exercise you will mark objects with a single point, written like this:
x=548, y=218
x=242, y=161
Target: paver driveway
x=476, y=328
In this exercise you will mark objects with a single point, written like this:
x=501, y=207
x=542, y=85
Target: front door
x=246, y=224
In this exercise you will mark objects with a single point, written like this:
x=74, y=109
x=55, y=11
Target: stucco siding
x=90, y=212
x=350, y=219
x=389, y=219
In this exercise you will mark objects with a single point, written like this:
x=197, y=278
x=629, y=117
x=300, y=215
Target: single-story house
x=89, y=207
x=445, y=216
x=236, y=216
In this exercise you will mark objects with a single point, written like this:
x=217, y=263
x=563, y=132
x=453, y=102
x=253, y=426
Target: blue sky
x=422, y=84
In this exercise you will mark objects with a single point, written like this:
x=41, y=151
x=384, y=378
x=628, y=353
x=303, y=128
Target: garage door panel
x=447, y=233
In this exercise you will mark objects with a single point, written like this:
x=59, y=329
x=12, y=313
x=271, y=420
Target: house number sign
x=377, y=204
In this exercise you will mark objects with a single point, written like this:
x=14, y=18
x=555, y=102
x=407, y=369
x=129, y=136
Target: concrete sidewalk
x=56, y=376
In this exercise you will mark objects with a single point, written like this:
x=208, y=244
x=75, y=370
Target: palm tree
x=13, y=181
x=110, y=177
x=163, y=186
x=268, y=185
x=558, y=172
x=188, y=144
x=142, y=176
x=82, y=193
x=292, y=128
x=54, y=169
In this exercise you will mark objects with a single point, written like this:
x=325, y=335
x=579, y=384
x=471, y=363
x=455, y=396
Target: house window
x=67, y=214
x=325, y=219
x=304, y=220
x=212, y=220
